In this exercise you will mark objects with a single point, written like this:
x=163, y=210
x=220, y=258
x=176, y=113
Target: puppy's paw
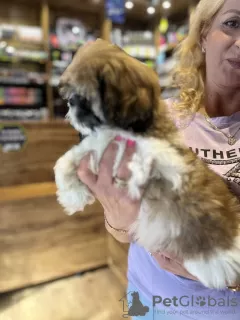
x=140, y=172
x=65, y=172
x=75, y=200
x=72, y=194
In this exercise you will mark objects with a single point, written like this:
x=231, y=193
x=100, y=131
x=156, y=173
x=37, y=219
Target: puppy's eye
x=74, y=100
x=71, y=102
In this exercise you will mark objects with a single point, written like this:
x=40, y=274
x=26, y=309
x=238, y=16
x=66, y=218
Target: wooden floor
x=91, y=296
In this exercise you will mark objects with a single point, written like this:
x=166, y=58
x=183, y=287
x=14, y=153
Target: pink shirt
x=143, y=270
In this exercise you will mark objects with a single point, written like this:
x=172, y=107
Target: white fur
x=71, y=116
x=219, y=270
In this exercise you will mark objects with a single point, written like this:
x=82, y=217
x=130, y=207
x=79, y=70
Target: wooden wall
x=38, y=241
x=46, y=142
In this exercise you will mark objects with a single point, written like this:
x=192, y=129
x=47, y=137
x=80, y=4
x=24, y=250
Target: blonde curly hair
x=189, y=74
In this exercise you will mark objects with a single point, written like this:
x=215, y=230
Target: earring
x=203, y=50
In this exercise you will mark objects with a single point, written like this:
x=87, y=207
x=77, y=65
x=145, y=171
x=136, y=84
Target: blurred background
x=53, y=266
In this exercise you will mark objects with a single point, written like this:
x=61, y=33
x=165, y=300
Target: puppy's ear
x=127, y=102
x=101, y=86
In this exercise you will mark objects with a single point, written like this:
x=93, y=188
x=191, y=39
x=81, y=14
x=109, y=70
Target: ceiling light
x=75, y=30
x=129, y=5
x=3, y=44
x=10, y=49
x=166, y=4
x=151, y=10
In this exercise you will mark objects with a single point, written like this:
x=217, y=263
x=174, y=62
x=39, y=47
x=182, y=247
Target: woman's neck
x=221, y=102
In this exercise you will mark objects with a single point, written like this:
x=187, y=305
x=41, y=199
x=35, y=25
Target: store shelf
x=22, y=84
x=21, y=60
x=21, y=106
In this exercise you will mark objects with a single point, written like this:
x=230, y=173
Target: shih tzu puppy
x=187, y=210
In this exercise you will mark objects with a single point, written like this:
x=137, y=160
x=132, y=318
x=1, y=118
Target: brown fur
x=209, y=209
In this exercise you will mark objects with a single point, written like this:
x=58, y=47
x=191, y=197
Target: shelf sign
x=12, y=137
x=115, y=10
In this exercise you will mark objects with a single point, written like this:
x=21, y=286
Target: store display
x=11, y=53
x=30, y=70
x=170, y=37
x=138, y=44
x=29, y=34
x=23, y=114
x=21, y=77
x=115, y=10
x=70, y=32
x=20, y=96
x=7, y=31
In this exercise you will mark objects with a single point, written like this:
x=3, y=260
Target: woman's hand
x=172, y=264
x=119, y=209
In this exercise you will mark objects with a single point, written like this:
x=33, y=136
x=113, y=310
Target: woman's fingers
x=84, y=173
x=106, y=164
x=123, y=172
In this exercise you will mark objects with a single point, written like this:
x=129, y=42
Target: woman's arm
x=173, y=265
x=119, y=236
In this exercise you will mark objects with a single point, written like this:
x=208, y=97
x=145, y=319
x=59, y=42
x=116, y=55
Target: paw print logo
x=201, y=301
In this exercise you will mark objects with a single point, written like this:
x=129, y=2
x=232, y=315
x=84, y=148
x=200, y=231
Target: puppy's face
x=104, y=86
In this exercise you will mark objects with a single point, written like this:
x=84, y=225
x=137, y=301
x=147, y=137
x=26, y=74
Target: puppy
x=187, y=210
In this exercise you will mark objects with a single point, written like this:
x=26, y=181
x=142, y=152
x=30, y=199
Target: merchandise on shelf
x=9, y=53
x=23, y=114
x=30, y=34
x=138, y=44
x=170, y=37
x=20, y=103
x=7, y=31
x=13, y=39
x=70, y=32
x=20, y=96
x=21, y=77
x=141, y=51
x=21, y=33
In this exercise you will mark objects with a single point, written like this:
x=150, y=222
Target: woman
x=208, y=115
